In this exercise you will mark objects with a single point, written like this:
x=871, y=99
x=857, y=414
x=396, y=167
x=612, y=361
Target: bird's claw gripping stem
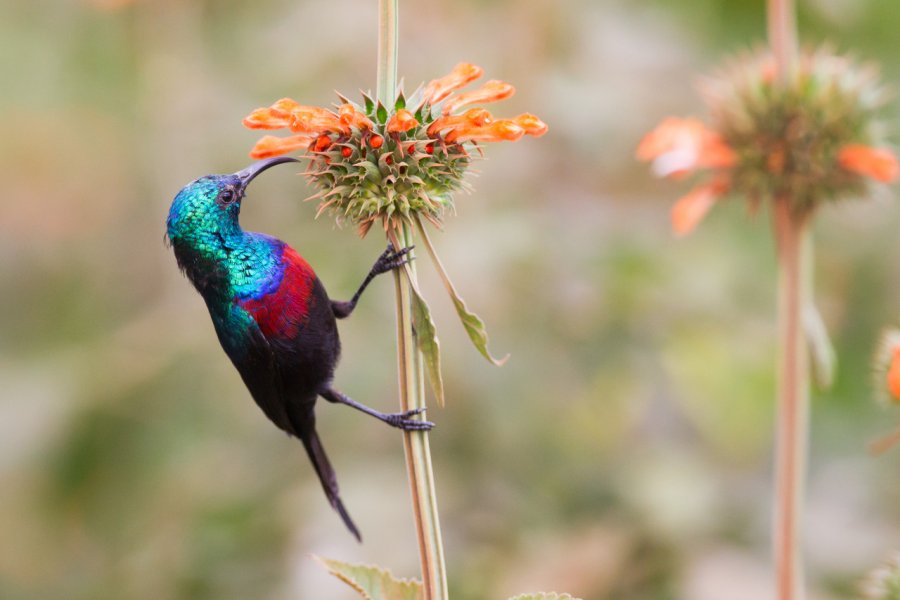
x=402, y=421
x=392, y=259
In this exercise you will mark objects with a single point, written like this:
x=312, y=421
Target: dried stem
x=783, y=37
x=791, y=230
x=409, y=358
x=794, y=285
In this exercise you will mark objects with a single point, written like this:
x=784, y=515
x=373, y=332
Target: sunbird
x=271, y=312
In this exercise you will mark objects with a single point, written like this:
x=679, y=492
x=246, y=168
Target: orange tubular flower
x=276, y=116
x=349, y=116
x=680, y=146
x=401, y=121
x=498, y=131
x=691, y=209
x=462, y=75
x=474, y=117
x=270, y=145
x=265, y=118
x=491, y=91
x=313, y=119
x=531, y=124
x=878, y=163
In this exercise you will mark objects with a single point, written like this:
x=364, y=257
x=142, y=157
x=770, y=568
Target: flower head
x=376, y=163
x=811, y=140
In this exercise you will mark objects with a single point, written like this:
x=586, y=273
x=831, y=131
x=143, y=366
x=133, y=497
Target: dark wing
x=255, y=360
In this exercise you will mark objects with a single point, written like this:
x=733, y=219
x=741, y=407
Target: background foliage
x=624, y=450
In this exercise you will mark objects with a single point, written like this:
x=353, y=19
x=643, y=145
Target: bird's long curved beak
x=247, y=175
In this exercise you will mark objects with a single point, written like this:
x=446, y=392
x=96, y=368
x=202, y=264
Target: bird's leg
x=390, y=259
x=400, y=420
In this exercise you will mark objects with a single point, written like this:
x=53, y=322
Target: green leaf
x=544, y=596
x=473, y=324
x=474, y=327
x=426, y=338
x=373, y=583
x=400, y=103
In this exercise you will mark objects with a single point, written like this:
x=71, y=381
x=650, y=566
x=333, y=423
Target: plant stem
x=388, y=13
x=794, y=284
x=791, y=231
x=409, y=358
x=783, y=37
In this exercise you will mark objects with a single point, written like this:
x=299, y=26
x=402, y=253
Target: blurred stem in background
x=794, y=287
x=409, y=357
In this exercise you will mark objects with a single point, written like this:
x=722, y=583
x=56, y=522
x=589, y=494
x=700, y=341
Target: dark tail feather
x=319, y=459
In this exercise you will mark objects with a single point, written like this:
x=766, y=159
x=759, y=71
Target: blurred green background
x=624, y=451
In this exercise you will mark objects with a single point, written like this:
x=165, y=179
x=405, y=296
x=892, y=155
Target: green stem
x=409, y=358
x=387, y=50
x=793, y=399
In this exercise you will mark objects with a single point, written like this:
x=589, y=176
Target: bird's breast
x=279, y=301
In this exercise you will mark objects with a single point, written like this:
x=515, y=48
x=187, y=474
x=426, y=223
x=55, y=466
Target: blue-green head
x=204, y=214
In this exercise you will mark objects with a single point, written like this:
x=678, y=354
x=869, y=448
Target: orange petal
x=893, y=376
x=476, y=117
x=265, y=118
x=531, y=124
x=715, y=153
x=270, y=145
x=504, y=130
x=350, y=116
x=314, y=119
x=461, y=75
x=679, y=146
x=401, y=121
x=878, y=163
x=285, y=107
x=692, y=208
x=491, y=91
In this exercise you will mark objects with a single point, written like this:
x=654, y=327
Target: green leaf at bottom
x=373, y=583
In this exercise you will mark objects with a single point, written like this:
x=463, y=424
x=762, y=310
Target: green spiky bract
x=412, y=173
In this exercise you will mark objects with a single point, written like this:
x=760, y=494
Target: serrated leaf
x=426, y=339
x=544, y=596
x=373, y=583
x=473, y=324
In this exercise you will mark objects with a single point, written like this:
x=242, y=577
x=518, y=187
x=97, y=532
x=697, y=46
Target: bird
x=271, y=313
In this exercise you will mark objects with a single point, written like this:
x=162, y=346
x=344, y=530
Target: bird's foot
x=391, y=259
x=404, y=422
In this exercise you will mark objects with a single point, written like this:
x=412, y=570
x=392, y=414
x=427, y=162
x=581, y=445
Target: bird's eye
x=227, y=197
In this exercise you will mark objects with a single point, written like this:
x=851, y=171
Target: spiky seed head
x=810, y=139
